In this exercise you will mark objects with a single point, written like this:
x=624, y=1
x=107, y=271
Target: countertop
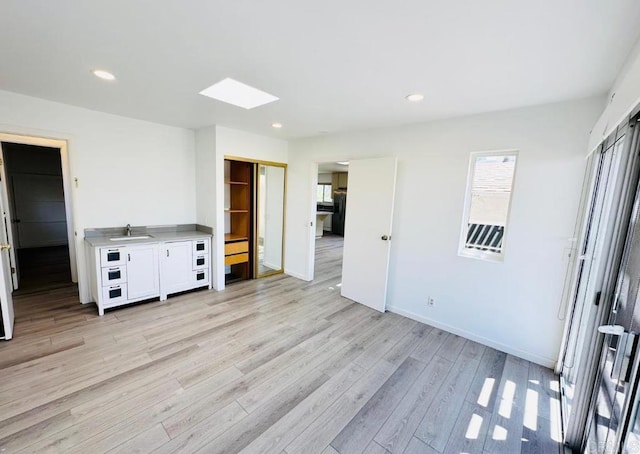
x=101, y=237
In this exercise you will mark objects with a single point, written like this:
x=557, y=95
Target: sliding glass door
x=611, y=421
x=270, y=219
x=607, y=209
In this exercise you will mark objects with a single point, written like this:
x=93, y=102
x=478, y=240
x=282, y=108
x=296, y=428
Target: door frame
x=63, y=145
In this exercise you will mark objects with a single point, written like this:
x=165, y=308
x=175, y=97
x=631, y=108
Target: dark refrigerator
x=339, y=211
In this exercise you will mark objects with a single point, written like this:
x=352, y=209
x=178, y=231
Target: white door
x=6, y=300
x=367, y=232
x=142, y=272
x=176, y=270
x=9, y=226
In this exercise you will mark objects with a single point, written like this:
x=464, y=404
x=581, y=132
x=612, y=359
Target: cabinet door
x=177, y=268
x=143, y=280
x=343, y=180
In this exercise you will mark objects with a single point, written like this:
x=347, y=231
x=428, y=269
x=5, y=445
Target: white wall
x=512, y=305
x=129, y=171
x=233, y=142
x=239, y=144
x=623, y=97
x=206, y=195
x=324, y=178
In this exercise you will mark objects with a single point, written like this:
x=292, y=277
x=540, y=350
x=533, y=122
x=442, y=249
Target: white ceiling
x=330, y=167
x=335, y=65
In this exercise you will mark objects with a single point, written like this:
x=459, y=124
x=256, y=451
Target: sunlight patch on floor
x=473, y=430
x=499, y=433
x=508, y=394
x=531, y=410
x=485, y=393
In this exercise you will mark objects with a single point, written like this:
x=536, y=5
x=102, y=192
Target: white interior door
x=6, y=300
x=367, y=233
x=9, y=227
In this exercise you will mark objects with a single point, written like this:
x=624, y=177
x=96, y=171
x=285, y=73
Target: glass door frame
x=598, y=284
x=284, y=217
x=624, y=231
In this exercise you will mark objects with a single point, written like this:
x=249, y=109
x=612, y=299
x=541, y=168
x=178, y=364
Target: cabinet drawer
x=200, y=261
x=112, y=275
x=200, y=277
x=114, y=295
x=201, y=246
x=112, y=256
x=236, y=248
x=237, y=258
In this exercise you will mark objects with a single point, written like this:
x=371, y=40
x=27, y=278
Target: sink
x=130, y=238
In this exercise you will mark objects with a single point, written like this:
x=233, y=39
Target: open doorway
x=37, y=218
x=363, y=266
x=331, y=210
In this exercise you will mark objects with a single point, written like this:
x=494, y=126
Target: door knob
x=385, y=237
x=4, y=247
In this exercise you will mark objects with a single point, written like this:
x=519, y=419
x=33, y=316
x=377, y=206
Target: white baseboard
x=296, y=275
x=546, y=362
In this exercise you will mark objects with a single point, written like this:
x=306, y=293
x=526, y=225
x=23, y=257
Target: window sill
x=480, y=255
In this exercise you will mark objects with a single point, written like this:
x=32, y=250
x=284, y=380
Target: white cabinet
x=140, y=271
x=176, y=267
x=143, y=279
x=112, y=256
x=184, y=265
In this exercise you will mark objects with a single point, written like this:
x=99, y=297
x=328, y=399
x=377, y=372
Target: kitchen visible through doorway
x=331, y=210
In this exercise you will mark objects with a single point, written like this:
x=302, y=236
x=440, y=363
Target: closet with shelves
x=238, y=212
x=254, y=218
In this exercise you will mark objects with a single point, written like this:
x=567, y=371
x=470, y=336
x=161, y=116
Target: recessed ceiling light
x=343, y=163
x=415, y=97
x=104, y=75
x=239, y=94
x=276, y=125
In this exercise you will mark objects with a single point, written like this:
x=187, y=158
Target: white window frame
x=474, y=253
x=323, y=190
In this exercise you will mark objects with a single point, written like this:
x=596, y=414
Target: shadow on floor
x=43, y=268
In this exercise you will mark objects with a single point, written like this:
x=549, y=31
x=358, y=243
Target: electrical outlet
x=431, y=301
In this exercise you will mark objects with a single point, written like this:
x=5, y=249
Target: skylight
x=241, y=95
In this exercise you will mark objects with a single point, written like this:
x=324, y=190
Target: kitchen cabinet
x=176, y=267
x=339, y=180
x=150, y=269
x=143, y=279
x=184, y=265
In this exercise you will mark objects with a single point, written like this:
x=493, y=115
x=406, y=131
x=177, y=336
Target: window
x=324, y=193
x=487, y=202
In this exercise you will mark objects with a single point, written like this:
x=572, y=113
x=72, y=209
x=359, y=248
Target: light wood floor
x=273, y=365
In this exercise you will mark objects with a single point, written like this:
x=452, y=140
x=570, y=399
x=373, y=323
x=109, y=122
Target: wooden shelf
x=239, y=197
x=231, y=237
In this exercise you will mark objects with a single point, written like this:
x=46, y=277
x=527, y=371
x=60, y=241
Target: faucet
x=128, y=228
